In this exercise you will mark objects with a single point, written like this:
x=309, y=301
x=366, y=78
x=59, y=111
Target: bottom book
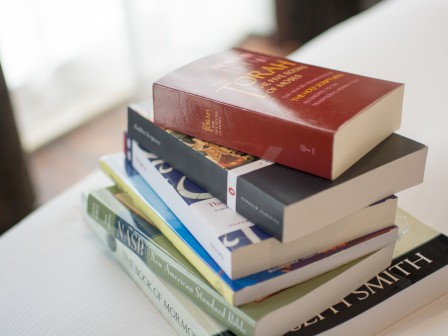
x=274, y=315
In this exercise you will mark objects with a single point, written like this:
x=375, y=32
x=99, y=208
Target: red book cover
x=310, y=118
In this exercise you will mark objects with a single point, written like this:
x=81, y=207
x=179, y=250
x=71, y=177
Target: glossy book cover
x=278, y=109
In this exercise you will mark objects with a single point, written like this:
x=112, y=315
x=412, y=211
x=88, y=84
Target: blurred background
x=69, y=68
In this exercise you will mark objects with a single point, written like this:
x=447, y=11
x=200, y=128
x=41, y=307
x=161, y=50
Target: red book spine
x=302, y=147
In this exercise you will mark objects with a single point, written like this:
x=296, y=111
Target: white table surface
x=56, y=278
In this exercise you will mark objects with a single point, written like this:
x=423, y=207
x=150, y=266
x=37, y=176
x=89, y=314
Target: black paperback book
x=286, y=203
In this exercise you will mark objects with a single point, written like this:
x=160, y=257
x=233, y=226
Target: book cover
x=146, y=202
x=284, y=202
x=418, y=275
x=181, y=312
x=237, y=245
x=295, y=114
x=273, y=315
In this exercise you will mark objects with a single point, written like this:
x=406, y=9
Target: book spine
x=229, y=186
x=243, y=130
x=184, y=317
x=150, y=215
x=183, y=158
x=161, y=264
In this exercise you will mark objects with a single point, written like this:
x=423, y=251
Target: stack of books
x=255, y=192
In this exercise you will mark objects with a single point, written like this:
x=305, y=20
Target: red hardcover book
x=310, y=118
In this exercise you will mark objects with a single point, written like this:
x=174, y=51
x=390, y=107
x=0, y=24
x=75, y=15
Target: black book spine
x=257, y=205
x=251, y=202
x=189, y=162
x=405, y=271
